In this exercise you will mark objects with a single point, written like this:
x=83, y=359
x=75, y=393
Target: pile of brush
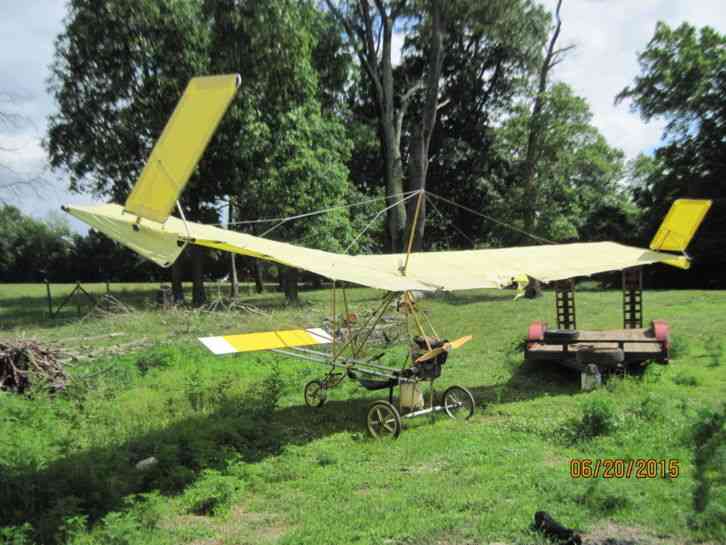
x=24, y=361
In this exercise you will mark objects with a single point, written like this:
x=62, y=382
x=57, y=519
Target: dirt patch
x=239, y=527
x=614, y=534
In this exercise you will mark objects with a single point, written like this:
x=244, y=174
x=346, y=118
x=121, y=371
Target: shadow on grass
x=95, y=482
x=529, y=381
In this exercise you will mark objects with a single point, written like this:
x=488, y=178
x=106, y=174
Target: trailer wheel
x=602, y=357
x=315, y=394
x=458, y=403
x=557, y=336
x=383, y=420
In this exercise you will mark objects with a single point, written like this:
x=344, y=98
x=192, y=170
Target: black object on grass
x=554, y=530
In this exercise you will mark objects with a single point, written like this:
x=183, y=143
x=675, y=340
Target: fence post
x=50, y=300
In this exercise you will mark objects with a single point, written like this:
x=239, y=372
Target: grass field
x=241, y=460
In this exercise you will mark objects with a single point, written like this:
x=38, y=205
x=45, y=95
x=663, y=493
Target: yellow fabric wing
x=427, y=271
x=180, y=146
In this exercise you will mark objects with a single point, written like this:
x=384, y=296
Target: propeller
x=446, y=347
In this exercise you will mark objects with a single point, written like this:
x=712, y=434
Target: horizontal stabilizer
x=250, y=342
x=679, y=225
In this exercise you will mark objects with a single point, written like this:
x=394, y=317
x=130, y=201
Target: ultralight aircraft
x=145, y=224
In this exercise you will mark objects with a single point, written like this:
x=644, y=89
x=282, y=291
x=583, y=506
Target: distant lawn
x=242, y=460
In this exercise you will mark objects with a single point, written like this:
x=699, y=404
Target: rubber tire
x=556, y=336
x=318, y=400
x=602, y=357
x=468, y=400
x=391, y=413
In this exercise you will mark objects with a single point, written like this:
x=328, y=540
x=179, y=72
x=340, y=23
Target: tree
x=536, y=123
x=306, y=172
x=577, y=171
x=683, y=81
x=30, y=249
x=370, y=35
x=118, y=71
x=492, y=49
x=120, y=68
x=12, y=182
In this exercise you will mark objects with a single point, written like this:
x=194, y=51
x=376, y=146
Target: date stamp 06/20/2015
x=620, y=468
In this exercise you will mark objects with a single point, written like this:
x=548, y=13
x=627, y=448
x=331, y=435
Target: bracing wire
x=378, y=215
x=283, y=221
x=436, y=209
x=402, y=197
x=316, y=212
x=493, y=220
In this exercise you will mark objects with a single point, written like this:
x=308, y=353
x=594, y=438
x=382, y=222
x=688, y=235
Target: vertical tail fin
x=181, y=145
x=678, y=227
x=680, y=224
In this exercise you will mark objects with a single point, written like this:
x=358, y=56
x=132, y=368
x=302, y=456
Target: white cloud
x=608, y=36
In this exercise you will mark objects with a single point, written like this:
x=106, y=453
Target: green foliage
x=686, y=379
x=306, y=172
x=491, y=50
x=17, y=535
x=679, y=347
x=599, y=418
x=714, y=350
x=577, y=172
x=650, y=408
x=266, y=467
x=602, y=498
x=212, y=494
x=709, y=496
x=29, y=248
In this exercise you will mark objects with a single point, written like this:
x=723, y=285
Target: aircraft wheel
x=383, y=420
x=458, y=403
x=315, y=394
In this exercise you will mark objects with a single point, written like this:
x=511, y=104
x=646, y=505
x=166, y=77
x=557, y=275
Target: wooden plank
x=643, y=348
x=616, y=335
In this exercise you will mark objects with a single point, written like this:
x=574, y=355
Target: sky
x=607, y=34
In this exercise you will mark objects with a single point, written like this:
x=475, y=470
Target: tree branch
x=354, y=35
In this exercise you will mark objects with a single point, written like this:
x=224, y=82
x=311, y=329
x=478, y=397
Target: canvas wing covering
x=427, y=271
x=181, y=145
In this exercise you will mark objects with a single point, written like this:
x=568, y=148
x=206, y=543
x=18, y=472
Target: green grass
x=241, y=460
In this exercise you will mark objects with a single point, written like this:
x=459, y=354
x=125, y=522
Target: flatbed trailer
x=608, y=350
x=637, y=345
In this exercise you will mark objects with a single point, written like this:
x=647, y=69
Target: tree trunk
x=393, y=177
x=234, y=281
x=536, y=129
x=416, y=181
x=282, y=278
x=177, y=289
x=199, y=295
x=366, y=35
x=259, y=284
x=393, y=166
x=291, y=289
x=420, y=141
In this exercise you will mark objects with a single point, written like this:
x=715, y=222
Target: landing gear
x=458, y=403
x=315, y=394
x=383, y=420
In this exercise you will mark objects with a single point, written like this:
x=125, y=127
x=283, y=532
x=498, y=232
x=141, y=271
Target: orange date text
x=619, y=468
